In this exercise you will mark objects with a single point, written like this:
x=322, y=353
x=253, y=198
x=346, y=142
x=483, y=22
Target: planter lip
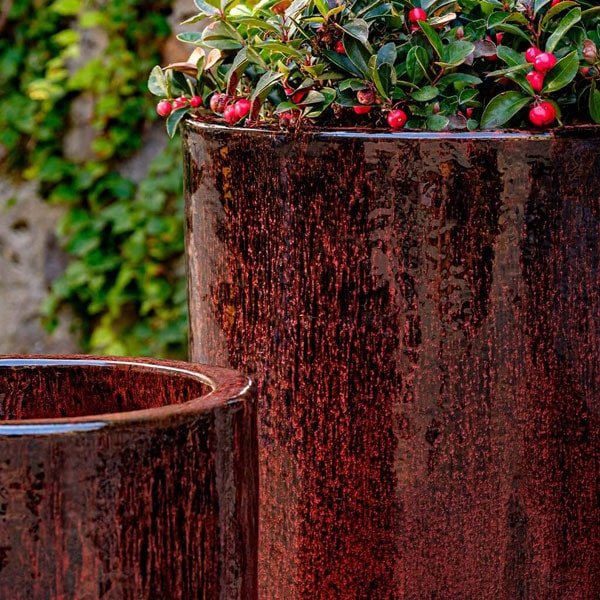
x=570, y=131
x=228, y=388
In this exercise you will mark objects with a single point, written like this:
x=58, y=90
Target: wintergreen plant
x=436, y=65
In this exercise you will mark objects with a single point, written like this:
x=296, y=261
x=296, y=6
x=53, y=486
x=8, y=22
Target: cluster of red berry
x=543, y=112
x=232, y=110
x=396, y=118
x=165, y=107
x=395, y=81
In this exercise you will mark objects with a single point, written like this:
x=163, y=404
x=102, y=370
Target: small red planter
x=125, y=479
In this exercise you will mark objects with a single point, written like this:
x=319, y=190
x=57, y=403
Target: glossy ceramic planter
x=421, y=314
x=126, y=479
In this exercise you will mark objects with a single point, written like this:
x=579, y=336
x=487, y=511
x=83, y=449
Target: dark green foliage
x=125, y=278
x=459, y=65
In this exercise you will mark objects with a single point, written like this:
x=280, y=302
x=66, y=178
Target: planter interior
x=126, y=479
x=54, y=388
x=421, y=315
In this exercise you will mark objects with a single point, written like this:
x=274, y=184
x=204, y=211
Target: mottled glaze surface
x=422, y=316
x=126, y=479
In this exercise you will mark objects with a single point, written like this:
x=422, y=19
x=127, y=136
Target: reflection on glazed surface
x=422, y=320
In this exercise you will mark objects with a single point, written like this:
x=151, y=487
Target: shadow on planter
x=126, y=479
x=421, y=315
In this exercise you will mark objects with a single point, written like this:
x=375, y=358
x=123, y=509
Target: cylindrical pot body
x=421, y=313
x=126, y=479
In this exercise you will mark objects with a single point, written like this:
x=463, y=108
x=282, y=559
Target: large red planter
x=421, y=314
x=125, y=479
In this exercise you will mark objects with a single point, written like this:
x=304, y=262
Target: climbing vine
x=124, y=280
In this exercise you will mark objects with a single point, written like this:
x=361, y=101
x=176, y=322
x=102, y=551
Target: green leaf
x=417, y=63
x=222, y=44
x=594, y=104
x=66, y=8
x=513, y=30
x=511, y=57
x=296, y=7
x=562, y=74
x=425, y=94
x=496, y=18
x=463, y=79
x=342, y=61
x=256, y=23
x=455, y=53
x=437, y=122
x=174, y=119
x=352, y=84
x=239, y=64
x=570, y=19
x=555, y=10
x=322, y=7
x=509, y=70
x=358, y=55
x=206, y=9
x=263, y=86
x=433, y=37
x=502, y=108
x=387, y=54
x=190, y=37
x=358, y=29
x=382, y=76
x=157, y=83
x=285, y=49
x=220, y=30
x=539, y=4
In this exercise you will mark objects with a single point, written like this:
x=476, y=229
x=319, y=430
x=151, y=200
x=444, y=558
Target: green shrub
x=125, y=279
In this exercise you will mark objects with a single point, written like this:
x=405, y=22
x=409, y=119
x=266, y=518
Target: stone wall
x=29, y=260
x=30, y=257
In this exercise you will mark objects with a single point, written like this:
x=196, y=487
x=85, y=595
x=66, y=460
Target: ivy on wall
x=125, y=278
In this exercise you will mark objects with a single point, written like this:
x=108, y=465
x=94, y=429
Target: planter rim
x=571, y=131
x=228, y=388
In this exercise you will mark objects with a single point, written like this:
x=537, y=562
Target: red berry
x=362, y=110
x=196, y=101
x=469, y=112
x=164, y=108
x=218, y=102
x=417, y=14
x=180, y=102
x=396, y=119
x=542, y=114
x=536, y=79
x=340, y=48
x=531, y=53
x=555, y=2
x=499, y=37
x=230, y=114
x=242, y=107
x=288, y=91
x=544, y=62
x=365, y=96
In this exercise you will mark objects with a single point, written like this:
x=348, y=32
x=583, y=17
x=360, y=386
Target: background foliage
x=125, y=279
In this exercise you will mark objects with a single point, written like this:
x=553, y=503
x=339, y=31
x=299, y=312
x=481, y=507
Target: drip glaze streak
x=422, y=317
x=126, y=479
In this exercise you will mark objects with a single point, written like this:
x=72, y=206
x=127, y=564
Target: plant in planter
x=413, y=285
x=444, y=65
